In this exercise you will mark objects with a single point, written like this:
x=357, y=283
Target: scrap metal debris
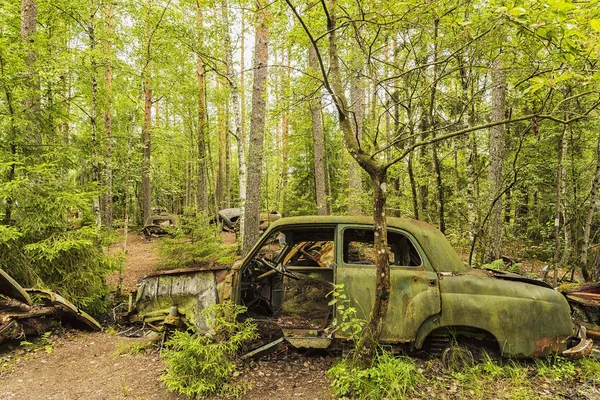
x=30, y=312
x=156, y=225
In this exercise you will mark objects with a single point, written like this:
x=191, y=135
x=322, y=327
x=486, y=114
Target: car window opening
x=289, y=278
x=359, y=248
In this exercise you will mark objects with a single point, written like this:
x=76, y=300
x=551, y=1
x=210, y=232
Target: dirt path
x=81, y=365
x=141, y=259
x=87, y=366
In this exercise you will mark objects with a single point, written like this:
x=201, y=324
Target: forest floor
x=103, y=365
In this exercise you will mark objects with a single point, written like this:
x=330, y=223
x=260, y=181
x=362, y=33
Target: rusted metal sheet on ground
x=10, y=288
x=70, y=313
x=189, y=290
x=20, y=316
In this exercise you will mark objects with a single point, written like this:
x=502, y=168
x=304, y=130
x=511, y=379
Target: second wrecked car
x=286, y=278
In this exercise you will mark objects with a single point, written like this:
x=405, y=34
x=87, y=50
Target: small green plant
x=195, y=242
x=388, y=377
x=42, y=343
x=203, y=364
x=346, y=319
x=133, y=348
x=590, y=368
x=556, y=368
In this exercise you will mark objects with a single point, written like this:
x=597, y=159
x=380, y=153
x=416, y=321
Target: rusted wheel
x=457, y=356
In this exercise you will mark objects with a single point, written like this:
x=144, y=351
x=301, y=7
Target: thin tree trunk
x=242, y=139
x=108, y=168
x=285, y=128
x=413, y=186
x=146, y=126
x=221, y=126
x=227, y=194
x=9, y=201
x=202, y=193
x=31, y=80
x=357, y=97
x=257, y=131
x=557, y=209
x=368, y=344
x=94, y=113
x=494, y=248
x=318, y=142
x=433, y=125
x=235, y=101
x=587, y=274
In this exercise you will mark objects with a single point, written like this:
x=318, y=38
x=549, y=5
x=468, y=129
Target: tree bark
x=94, y=112
x=318, y=142
x=587, y=274
x=285, y=129
x=357, y=97
x=242, y=138
x=557, y=209
x=221, y=132
x=433, y=125
x=11, y=174
x=108, y=88
x=31, y=103
x=493, y=251
x=147, y=124
x=202, y=194
x=257, y=130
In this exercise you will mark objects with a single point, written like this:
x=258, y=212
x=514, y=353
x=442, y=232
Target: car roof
x=440, y=253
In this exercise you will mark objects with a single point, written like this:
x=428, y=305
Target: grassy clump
x=204, y=364
x=195, y=242
x=388, y=377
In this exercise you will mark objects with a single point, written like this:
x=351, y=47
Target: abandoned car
x=229, y=219
x=157, y=225
x=287, y=278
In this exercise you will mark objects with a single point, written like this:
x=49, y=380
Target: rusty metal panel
x=190, y=292
x=414, y=298
x=10, y=288
x=526, y=319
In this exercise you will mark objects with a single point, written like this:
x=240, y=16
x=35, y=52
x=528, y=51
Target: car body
x=158, y=225
x=288, y=275
x=229, y=218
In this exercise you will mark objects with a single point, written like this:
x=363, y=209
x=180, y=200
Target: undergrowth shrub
x=389, y=377
x=203, y=364
x=346, y=319
x=51, y=241
x=195, y=242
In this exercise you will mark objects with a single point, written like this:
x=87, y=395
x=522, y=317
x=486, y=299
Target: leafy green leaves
x=201, y=364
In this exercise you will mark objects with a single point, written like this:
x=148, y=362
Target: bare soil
x=141, y=260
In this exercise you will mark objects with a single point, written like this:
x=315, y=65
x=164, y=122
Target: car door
x=415, y=293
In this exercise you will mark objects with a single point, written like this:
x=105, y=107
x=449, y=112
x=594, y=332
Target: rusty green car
x=287, y=277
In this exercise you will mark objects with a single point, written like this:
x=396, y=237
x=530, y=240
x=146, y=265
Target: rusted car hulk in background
x=286, y=278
